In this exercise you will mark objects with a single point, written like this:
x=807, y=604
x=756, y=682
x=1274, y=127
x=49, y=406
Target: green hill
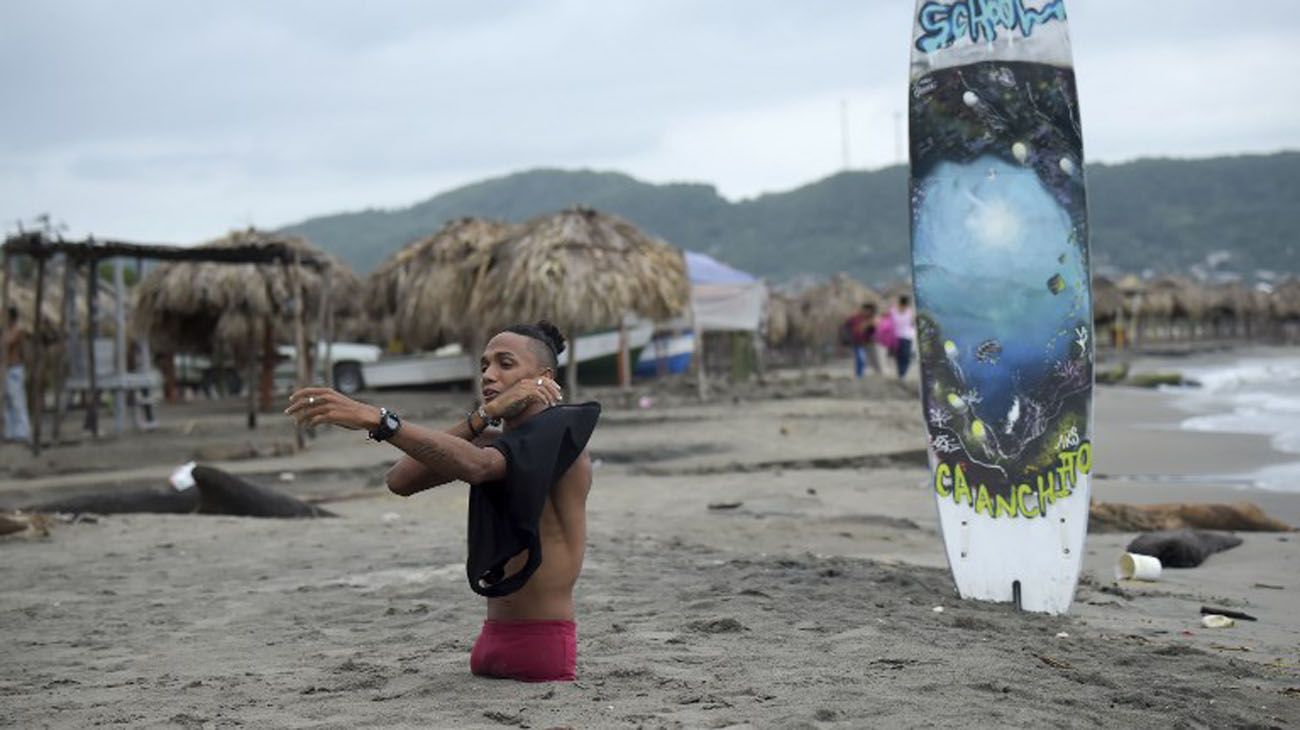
x=1166, y=215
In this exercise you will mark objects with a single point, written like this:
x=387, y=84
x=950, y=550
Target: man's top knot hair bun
x=553, y=336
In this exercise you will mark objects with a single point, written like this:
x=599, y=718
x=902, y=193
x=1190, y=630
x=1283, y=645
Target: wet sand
x=808, y=604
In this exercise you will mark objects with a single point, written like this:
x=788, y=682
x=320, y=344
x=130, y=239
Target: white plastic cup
x=1133, y=566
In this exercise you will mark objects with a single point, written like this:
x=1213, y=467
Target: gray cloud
x=174, y=121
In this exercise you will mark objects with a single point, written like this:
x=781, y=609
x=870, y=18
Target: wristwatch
x=389, y=424
x=483, y=416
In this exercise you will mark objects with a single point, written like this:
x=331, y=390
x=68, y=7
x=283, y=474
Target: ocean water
x=1250, y=395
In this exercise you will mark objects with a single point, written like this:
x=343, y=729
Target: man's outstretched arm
x=444, y=455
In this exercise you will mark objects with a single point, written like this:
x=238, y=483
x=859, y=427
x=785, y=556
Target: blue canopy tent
x=723, y=299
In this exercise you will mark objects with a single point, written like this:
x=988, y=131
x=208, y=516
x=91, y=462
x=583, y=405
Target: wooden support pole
x=331, y=331
x=624, y=356
x=92, y=332
x=119, y=347
x=697, y=358
x=251, y=384
x=299, y=336
x=266, y=385
x=324, y=339
x=37, y=399
x=67, y=328
x=8, y=266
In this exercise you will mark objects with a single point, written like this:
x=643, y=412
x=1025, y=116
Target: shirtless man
x=17, y=426
x=529, y=634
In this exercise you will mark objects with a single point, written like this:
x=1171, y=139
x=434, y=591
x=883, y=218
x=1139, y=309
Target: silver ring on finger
x=311, y=399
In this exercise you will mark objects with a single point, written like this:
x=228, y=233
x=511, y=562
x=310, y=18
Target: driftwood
x=1243, y=516
x=1182, y=548
x=215, y=493
x=155, y=500
x=17, y=522
x=224, y=494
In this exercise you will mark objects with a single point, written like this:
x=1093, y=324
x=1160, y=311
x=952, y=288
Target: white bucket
x=1137, y=567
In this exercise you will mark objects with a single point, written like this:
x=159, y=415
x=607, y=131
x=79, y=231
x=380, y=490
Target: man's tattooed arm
x=447, y=457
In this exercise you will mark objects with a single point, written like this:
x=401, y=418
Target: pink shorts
x=529, y=651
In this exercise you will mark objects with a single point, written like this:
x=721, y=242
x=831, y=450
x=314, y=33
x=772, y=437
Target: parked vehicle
x=347, y=361
x=597, y=355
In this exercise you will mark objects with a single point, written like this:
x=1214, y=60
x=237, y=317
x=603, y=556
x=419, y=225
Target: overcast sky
x=175, y=120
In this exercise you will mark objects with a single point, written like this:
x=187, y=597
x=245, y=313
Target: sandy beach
x=812, y=600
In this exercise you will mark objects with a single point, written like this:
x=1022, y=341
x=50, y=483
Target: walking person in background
x=17, y=425
x=904, y=318
x=860, y=333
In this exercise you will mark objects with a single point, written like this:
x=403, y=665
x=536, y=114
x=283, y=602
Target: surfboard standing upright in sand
x=1004, y=309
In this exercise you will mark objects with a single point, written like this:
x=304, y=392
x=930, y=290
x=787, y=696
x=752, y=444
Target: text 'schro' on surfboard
x=1004, y=308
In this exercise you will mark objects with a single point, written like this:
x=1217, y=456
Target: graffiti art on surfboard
x=1001, y=272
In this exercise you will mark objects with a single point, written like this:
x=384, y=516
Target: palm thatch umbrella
x=824, y=307
x=239, y=310
x=581, y=269
x=1107, y=301
x=1285, y=302
x=425, y=288
x=22, y=293
x=1187, y=302
x=1229, y=308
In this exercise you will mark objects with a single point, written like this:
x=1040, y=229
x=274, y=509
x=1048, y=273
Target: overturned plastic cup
x=1133, y=566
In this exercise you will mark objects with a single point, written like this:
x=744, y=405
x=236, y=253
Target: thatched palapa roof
x=426, y=287
x=190, y=307
x=582, y=270
x=22, y=294
x=824, y=307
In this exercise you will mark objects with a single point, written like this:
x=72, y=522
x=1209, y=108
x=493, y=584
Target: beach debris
x=1270, y=586
x=726, y=625
x=152, y=500
x=724, y=505
x=390, y=517
x=785, y=430
x=645, y=402
x=1056, y=284
x=1155, y=380
x=225, y=494
x=1134, y=566
x=1214, y=610
x=1182, y=548
x=11, y=524
x=505, y=718
x=1111, y=376
x=1062, y=635
x=1216, y=621
x=1238, y=517
x=182, y=477
x=937, y=609
x=287, y=476
x=1055, y=663
x=35, y=525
